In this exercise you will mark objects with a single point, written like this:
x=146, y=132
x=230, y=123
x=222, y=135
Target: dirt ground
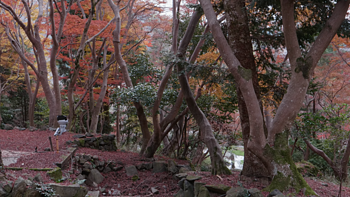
x=19, y=148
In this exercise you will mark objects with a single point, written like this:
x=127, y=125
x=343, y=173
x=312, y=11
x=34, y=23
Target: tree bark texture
x=240, y=42
x=274, y=152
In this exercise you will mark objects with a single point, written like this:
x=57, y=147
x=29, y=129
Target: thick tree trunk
x=285, y=174
x=241, y=44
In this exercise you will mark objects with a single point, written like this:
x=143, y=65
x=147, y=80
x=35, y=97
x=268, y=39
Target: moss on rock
x=55, y=174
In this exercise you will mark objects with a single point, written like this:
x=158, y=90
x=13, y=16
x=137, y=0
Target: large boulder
x=69, y=190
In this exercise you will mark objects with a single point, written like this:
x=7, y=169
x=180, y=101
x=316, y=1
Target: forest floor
x=19, y=147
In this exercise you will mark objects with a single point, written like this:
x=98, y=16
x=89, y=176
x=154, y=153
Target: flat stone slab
x=93, y=194
x=10, y=156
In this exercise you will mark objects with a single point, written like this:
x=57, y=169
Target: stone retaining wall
x=104, y=142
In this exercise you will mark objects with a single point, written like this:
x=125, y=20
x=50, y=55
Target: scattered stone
x=221, y=189
x=254, y=192
x=144, y=166
x=6, y=186
x=131, y=170
x=193, y=178
x=8, y=127
x=324, y=184
x=107, y=169
x=93, y=193
x=181, y=183
x=154, y=190
x=94, y=177
x=81, y=177
x=3, y=192
x=197, y=186
x=180, y=193
x=69, y=190
x=181, y=175
x=47, y=149
x=118, y=168
x=89, y=135
x=172, y=167
x=32, y=192
x=114, y=192
x=55, y=174
x=236, y=192
x=203, y=192
x=275, y=192
x=159, y=166
x=79, y=136
x=188, y=189
x=19, y=187
x=184, y=169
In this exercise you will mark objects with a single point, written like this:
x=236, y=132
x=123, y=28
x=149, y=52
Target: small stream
x=234, y=161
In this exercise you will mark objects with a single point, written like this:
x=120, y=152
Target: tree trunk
x=97, y=108
x=285, y=174
x=240, y=42
x=116, y=42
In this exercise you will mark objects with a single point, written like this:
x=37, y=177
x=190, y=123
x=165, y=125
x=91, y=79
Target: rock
x=181, y=175
x=188, y=189
x=184, y=169
x=275, y=192
x=180, y=193
x=114, y=192
x=193, y=178
x=144, y=166
x=6, y=186
x=87, y=167
x=237, y=192
x=197, y=186
x=55, y=174
x=81, y=177
x=89, y=135
x=254, y=192
x=308, y=169
x=94, y=177
x=172, y=167
x=19, y=187
x=69, y=190
x=93, y=193
x=79, y=136
x=324, y=184
x=154, y=190
x=8, y=127
x=118, y=168
x=32, y=192
x=181, y=183
x=131, y=170
x=107, y=169
x=220, y=189
x=3, y=193
x=159, y=166
x=203, y=192
x=47, y=149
